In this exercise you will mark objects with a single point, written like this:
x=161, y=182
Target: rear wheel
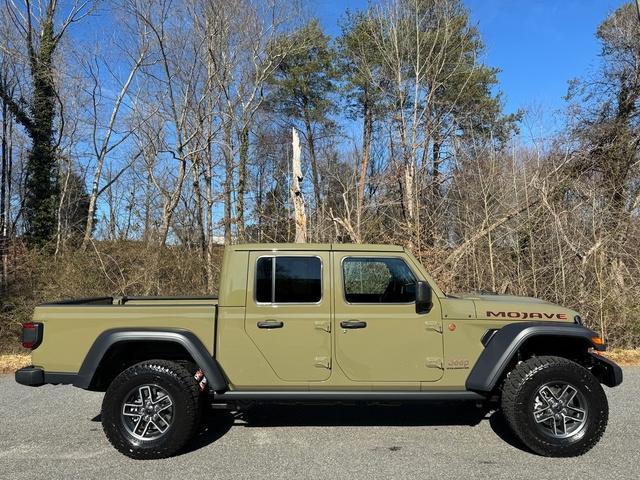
x=556, y=407
x=151, y=410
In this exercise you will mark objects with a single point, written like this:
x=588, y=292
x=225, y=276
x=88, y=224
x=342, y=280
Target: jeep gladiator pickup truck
x=311, y=322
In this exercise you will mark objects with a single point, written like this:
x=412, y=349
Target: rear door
x=379, y=335
x=288, y=313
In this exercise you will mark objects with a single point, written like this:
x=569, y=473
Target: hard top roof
x=342, y=247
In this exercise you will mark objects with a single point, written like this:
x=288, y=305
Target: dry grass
x=9, y=363
x=624, y=357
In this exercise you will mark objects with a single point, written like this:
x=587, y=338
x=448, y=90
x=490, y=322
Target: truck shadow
x=217, y=423
x=391, y=415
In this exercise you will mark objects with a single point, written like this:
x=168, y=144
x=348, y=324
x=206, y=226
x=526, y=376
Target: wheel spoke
x=559, y=409
x=559, y=426
x=567, y=394
x=563, y=421
x=576, y=414
x=140, y=421
x=147, y=422
x=145, y=393
x=163, y=403
x=160, y=423
x=131, y=409
x=147, y=412
x=547, y=394
x=540, y=418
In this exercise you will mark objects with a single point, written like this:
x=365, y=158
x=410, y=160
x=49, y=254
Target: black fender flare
x=503, y=345
x=188, y=340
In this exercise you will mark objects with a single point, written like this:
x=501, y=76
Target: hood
x=514, y=308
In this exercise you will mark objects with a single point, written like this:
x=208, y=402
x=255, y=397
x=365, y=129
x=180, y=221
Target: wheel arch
x=518, y=341
x=116, y=349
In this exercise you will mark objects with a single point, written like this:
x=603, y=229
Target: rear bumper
x=31, y=376
x=35, y=376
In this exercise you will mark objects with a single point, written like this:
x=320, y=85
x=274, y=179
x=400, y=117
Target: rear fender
x=184, y=338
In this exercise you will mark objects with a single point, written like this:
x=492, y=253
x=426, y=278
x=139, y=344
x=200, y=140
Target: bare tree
x=296, y=191
x=102, y=137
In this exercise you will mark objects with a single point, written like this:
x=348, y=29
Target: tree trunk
x=171, y=204
x=243, y=152
x=433, y=234
x=208, y=172
x=197, y=194
x=367, y=124
x=41, y=181
x=62, y=198
x=436, y=169
x=296, y=191
x=146, y=235
x=228, y=182
x=315, y=178
x=5, y=179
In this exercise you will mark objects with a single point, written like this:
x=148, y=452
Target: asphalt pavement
x=54, y=432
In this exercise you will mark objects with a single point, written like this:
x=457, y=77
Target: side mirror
x=423, y=297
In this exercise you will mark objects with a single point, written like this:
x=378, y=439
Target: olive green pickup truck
x=309, y=323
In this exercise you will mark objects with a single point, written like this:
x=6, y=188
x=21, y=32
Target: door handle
x=271, y=324
x=353, y=324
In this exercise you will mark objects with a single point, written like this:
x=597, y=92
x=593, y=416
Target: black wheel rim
x=147, y=412
x=560, y=410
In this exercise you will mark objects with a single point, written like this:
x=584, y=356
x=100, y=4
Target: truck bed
x=77, y=323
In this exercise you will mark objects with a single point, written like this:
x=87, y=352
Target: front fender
x=504, y=345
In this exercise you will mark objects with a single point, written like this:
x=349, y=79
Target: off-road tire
x=185, y=395
x=520, y=388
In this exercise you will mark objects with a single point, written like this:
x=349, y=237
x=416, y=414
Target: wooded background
x=138, y=136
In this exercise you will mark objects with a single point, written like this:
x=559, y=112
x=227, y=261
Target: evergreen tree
x=303, y=84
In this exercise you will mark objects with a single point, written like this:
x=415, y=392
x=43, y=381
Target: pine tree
x=302, y=86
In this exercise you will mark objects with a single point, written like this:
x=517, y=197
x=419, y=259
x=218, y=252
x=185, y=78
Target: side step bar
x=370, y=396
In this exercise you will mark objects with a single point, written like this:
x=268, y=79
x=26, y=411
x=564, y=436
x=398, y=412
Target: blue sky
x=538, y=44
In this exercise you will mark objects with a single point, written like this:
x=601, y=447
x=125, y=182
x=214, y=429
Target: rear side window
x=288, y=280
x=378, y=280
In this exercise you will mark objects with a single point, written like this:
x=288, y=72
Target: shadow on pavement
x=499, y=426
x=216, y=423
x=454, y=413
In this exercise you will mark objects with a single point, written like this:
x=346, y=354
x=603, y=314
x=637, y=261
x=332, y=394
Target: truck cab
x=331, y=317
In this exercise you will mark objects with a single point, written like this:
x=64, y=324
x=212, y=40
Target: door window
x=288, y=280
x=378, y=280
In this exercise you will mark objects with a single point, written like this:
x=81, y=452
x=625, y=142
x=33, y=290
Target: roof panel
x=342, y=247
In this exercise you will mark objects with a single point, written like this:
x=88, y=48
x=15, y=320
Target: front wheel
x=151, y=410
x=556, y=407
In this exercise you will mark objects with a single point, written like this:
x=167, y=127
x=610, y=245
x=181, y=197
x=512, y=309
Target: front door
x=379, y=335
x=288, y=313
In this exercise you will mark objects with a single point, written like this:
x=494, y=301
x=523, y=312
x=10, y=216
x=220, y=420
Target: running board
x=369, y=396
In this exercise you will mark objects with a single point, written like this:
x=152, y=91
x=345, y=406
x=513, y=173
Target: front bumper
x=607, y=371
x=31, y=376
